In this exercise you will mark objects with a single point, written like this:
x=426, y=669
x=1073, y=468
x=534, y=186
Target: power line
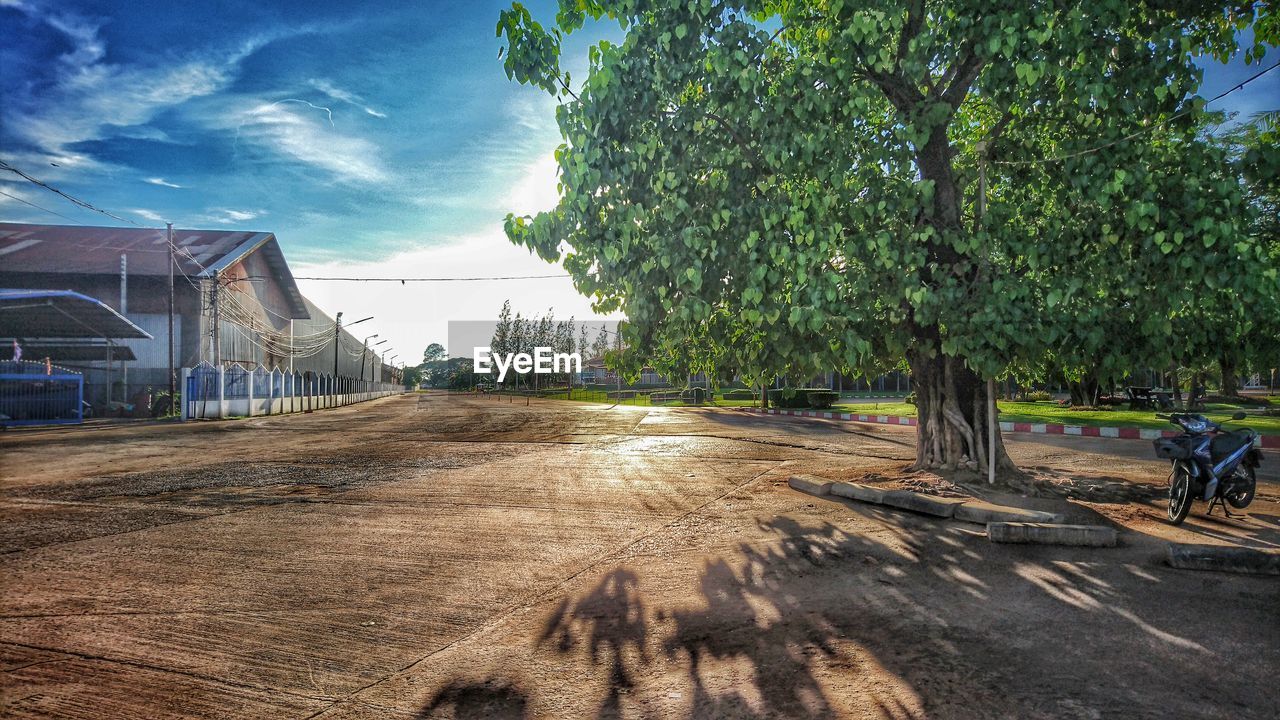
x=1135, y=134
x=28, y=202
x=88, y=206
x=431, y=279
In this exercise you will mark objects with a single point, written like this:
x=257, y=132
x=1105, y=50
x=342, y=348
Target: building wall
x=251, y=284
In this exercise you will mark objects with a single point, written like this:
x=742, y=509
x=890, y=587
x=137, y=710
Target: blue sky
x=373, y=139
x=343, y=129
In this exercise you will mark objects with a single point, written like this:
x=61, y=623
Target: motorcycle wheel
x=1180, y=498
x=1242, y=488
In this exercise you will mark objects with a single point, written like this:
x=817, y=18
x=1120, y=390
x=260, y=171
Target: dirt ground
x=457, y=556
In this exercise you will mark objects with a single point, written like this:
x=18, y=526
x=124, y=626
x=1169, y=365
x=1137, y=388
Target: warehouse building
x=234, y=300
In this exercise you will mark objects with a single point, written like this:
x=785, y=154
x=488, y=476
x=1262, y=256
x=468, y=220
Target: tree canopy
x=787, y=187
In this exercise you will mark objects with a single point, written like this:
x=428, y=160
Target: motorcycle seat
x=1227, y=443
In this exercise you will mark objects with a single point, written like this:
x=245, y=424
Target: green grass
x=1024, y=412
x=1048, y=412
x=888, y=407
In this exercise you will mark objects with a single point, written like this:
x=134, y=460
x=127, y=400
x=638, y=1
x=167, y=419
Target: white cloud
x=91, y=95
x=228, y=216
x=89, y=48
x=304, y=138
x=414, y=315
x=92, y=98
x=337, y=93
x=161, y=182
x=535, y=191
x=148, y=215
x=243, y=214
x=19, y=202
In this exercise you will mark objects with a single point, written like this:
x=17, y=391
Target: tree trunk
x=1230, y=383
x=764, y=396
x=1086, y=390
x=951, y=430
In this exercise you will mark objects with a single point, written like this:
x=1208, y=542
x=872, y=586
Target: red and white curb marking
x=1128, y=433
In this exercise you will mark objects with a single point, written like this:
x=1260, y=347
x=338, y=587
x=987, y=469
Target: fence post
x=251, y=377
x=185, y=410
x=222, y=391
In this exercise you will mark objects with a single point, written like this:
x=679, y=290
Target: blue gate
x=36, y=393
x=202, y=387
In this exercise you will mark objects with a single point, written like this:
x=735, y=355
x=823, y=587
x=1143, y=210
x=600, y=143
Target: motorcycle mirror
x=1238, y=415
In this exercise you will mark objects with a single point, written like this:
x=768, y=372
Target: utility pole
x=364, y=352
x=991, y=382
x=124, y=310
x=173, y=397
x=337, y=341
x=217, y=344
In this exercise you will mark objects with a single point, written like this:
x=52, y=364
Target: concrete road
x=451, y=556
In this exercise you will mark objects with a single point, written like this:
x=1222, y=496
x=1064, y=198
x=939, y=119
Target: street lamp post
x=337, y=340
x=363, y=353
x=337, y=333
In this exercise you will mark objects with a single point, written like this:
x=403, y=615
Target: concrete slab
x=927, y=504
x=977, y=511
x=811, y=484
x=855, y=491
x=1049, y=534
x=1224, y=558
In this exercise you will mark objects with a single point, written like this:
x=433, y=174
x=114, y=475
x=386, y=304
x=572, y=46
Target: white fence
x=235, y=391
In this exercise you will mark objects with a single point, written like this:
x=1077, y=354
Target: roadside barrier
x=235, y=391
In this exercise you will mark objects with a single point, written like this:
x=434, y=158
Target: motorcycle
x=1209, y=463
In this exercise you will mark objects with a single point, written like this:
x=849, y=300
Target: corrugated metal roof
x=61, y=314
x=71, y=352
x=86, y=250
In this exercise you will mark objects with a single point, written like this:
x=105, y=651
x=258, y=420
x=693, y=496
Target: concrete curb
x=1047, y=534
x=966, y=509
x=977, y=511
x=926, y=504
x=810, y=484
x=1128, y=433
x=855, y=491
x=1224, y=558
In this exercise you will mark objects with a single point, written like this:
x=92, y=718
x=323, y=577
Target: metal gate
x=38, y=393
x=202, y=387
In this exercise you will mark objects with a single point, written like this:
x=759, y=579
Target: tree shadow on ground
x=918, y=619
x=487, y=699
x=749, y=615
x=610, y=621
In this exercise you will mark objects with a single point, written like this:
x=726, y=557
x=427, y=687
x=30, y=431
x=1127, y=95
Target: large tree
x=799, y=184
x=434, y=352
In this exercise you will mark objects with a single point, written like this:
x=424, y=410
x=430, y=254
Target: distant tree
x=601, y=343
x=412, y=377
x=519, y=342
x=460, y=374
x=434, y=352
x=501, y=343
